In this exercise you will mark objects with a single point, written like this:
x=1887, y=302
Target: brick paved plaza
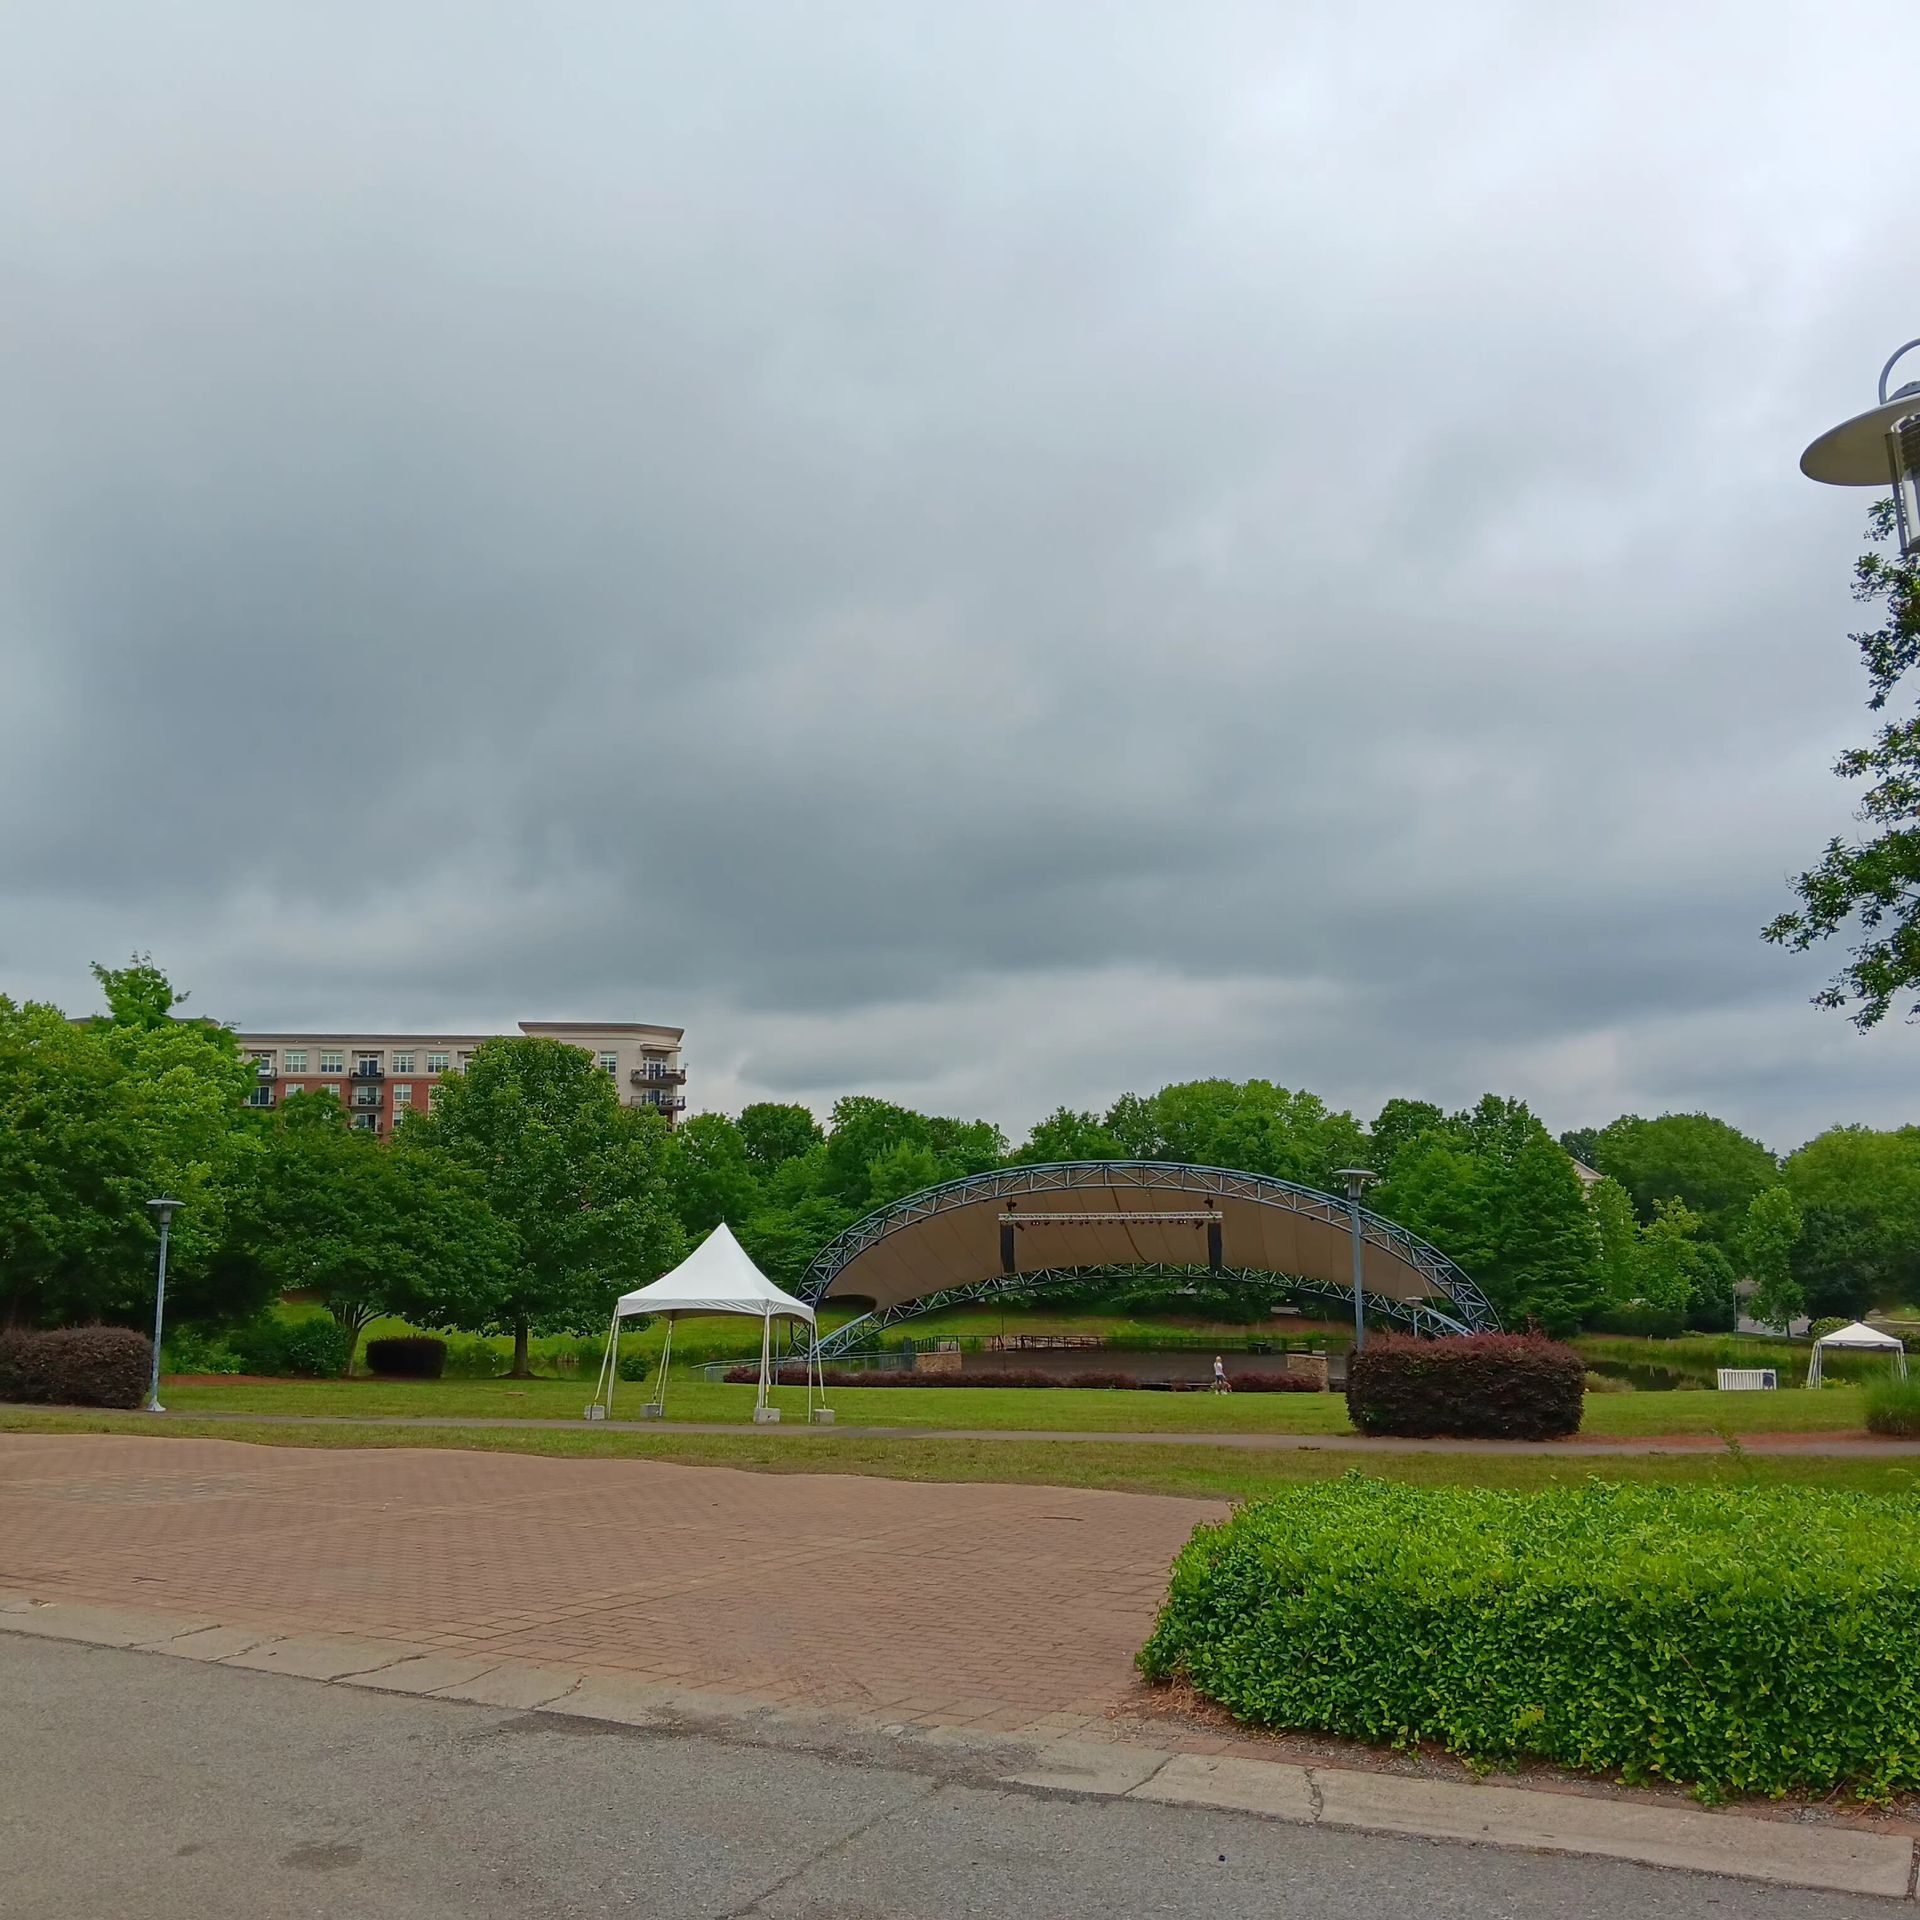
x=997, y=1607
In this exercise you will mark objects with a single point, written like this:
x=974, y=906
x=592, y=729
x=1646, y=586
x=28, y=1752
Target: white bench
x=1748, y=1380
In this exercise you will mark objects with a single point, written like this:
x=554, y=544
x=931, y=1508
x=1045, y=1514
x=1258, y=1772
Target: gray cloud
x=992, y=555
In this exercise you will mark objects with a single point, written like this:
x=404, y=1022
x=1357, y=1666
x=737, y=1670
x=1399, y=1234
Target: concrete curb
x=1732, y=1845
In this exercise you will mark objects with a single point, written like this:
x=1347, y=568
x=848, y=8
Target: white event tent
x=716, y=1277
x=1857, y=1338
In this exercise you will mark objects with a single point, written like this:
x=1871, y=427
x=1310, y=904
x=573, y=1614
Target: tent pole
x=666, y=1348
x=610, y=1364
x=766, y=1341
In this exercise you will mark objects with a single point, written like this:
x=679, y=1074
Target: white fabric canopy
x=1858, y=1337
x=716, y=1277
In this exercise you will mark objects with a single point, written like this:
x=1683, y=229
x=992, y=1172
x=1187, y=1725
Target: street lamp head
x=163, y=1210
x=1878, y=448
x=1358, y=1180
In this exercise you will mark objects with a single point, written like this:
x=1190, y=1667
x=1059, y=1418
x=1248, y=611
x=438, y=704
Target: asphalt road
x=133, y=1783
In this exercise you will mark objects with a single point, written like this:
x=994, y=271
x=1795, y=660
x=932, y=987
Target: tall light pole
x=1878, y=448
x=1358, y=1179
x=163, y=1211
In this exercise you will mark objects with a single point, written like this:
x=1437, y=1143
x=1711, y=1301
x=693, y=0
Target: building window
x=366, y=1063
x=610, y=1063
x=366, y=1123
x=436, y=1063
x=403, y=1096
x=296, y=1059
x=403, y=1062
x=465, y=1058
x=332, y=1087
x=332, y=1060
x=366, y=1096
x=259, y=1096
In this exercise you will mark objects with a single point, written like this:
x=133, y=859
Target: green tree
x=908, y=1167
x=579, y=1181
x=1767, y=1239
x=1874, y=883
x=1582, y=1143
x=1547, y=1259
x=1252, y=1126
x=368, y=1229
x=1396, y=1127
x=1067, y=1135
x=711, y=1175
x=1618, y=1236
x=96, y=1118
x=863, y=1129
x=1668, y=1243
x=774, y=1131
x=1859, y=1191
x=784, y=1241
x=1713, y=1167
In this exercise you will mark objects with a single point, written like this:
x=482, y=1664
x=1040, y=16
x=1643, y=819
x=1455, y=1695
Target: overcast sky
x=988, y=554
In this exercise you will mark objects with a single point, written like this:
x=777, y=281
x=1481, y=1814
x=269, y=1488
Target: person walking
x=1221, y=1384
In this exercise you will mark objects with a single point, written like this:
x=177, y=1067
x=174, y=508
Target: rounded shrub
x=407, y=1356
x=76, y=1366
x=1735, y=1639
x=1487, y=1386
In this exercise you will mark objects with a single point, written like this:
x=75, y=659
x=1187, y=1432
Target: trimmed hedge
x=310, y=1348
x=407, y=1356
x=1738, y=1640
x=792, y=1376
x=77, y=1366
x=1479, y=1386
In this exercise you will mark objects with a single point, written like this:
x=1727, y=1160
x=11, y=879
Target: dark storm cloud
x=993, y=554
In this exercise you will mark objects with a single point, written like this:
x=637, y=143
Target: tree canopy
x=1872, y=883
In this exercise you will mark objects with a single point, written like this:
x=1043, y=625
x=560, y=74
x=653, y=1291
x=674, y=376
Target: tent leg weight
x=766, y=1416
x=822, y=1416
x=653, y=1410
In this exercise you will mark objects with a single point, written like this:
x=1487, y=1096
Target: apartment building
x=378, y=1077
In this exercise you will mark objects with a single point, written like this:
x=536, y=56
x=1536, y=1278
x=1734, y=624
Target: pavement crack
x=814, y=1859
x=1316, y=1800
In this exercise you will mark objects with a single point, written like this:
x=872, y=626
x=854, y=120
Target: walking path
x=1839, y=1446
x=903, y=1625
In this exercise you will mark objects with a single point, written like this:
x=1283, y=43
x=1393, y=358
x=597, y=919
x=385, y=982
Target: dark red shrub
x=407, y=1356
x=1482, y=1386
x=77, y=1366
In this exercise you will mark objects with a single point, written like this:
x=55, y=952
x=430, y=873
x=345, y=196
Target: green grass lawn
x=1207, y=1472
x=1038, y=1409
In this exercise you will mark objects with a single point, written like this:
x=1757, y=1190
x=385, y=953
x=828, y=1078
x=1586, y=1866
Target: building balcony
x=658, y=1076
x=664, y=1102
x=264, y=1069
x=366, y=1099
x=368, y=1073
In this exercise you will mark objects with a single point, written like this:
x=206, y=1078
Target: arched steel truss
x=1472, y=1312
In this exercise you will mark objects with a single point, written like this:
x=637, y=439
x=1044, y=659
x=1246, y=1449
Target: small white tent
x=1857, y=1338
x=716, y=1277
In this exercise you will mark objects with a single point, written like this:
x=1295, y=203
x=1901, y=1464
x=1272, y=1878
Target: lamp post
x=1878, y=448
x=1358, y=1179
x=163, y=1211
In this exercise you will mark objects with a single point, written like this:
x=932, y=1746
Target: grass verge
x=1629, y=1416
x=1223, y=1473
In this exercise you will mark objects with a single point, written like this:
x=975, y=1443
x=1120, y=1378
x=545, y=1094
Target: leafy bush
x=188, y=1350
x=1829, y=1323
x=796, y=1376
x=1893, y=1407
x=1642, y=1322
x=473, y=1356
x=1504, y=1386
x=643, y=1366
x=1739, y=1639
x=77, y=1366
x=310, y=1348
x=407, y=1356
x=1605, y=1383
